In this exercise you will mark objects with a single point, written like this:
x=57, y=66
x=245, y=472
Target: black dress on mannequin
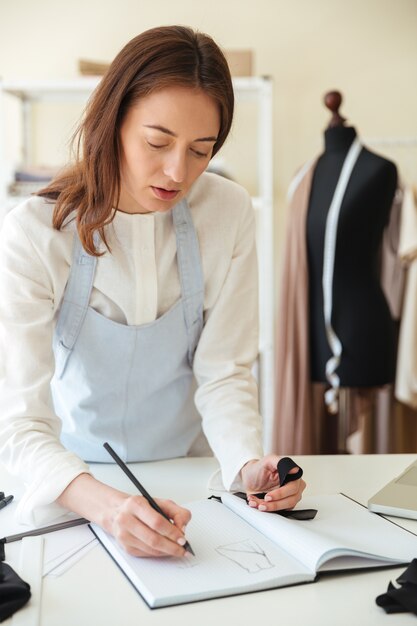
x=360, y=314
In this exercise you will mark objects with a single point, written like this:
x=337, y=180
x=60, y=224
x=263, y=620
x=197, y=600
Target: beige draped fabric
x=293, y=426
x=369, y=420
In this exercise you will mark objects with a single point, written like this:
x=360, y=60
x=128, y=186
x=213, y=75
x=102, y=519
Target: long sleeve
x=29, y=428
x=227, y=393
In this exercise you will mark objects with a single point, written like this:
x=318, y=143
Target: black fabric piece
x=409, y=575
x=14, y=592
x=241, y=494
x=284, y=466
x=401, y=599
x=300, y=514
x=217, y=498
x=387, y=603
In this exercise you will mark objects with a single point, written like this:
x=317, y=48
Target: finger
x=281, y=505
x=278, y=493
x=138, y=508
x=280, y=499
x=285, y=491
x=178, y=514
x=134, y=546
x=294, y=470
x=289, y=500
x=136, y=534
x=278, y=505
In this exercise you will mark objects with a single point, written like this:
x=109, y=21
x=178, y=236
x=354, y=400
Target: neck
x=339, y=138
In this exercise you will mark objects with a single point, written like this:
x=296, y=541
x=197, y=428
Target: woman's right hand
x=136, y=526
x=142, y=531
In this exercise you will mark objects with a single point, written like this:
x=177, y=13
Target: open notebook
x=239, y=549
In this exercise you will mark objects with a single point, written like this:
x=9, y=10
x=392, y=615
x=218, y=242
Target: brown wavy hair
x=89, y=188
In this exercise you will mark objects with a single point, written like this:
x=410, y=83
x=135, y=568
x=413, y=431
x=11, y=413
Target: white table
x=94, y=591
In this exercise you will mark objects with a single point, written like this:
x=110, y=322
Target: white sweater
x=135, y=284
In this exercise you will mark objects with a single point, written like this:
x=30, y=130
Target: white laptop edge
x=399, y=496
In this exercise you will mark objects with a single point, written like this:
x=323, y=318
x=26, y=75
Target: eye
x=156, y=146
x=199, y=154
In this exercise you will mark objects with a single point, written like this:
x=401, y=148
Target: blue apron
x=132, y=386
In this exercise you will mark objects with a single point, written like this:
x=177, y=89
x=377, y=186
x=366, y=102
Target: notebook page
x=292, y=535
x=341, y=527
x=231, y=557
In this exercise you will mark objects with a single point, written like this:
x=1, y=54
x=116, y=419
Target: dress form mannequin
x=360, y=313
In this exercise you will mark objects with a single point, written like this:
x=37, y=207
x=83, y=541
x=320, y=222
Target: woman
x=129, y=282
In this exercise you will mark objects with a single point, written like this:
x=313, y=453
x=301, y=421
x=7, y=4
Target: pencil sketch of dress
x=247, y=554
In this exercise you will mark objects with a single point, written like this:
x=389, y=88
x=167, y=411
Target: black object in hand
x=284, y=466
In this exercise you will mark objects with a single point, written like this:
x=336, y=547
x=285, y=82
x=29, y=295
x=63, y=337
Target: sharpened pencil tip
x=189, y=548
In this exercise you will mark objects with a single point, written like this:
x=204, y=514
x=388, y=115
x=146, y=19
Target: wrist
x=92, y=499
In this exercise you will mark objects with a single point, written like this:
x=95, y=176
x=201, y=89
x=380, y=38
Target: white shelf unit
x=253, y=89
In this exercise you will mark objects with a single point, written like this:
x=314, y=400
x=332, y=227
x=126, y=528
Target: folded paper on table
x=65, y=547
x=62, y=548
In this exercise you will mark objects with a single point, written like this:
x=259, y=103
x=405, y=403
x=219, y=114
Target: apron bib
x=132, y=386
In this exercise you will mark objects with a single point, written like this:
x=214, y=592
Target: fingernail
x=183, y=529
x=268, y=498
x=262, y=507
x=182, y=541
x=252, y=503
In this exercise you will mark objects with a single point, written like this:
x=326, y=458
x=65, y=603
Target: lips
x=165, y=194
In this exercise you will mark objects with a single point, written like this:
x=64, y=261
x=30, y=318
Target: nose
x=175, y=166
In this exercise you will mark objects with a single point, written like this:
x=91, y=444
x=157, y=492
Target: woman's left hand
x=262, y=475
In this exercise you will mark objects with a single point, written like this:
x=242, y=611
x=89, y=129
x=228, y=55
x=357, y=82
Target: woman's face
x=167, y=140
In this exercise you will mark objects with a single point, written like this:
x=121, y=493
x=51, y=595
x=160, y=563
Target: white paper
x=65, y=547
x=231, y=557
x=30, y=570
x=62, y=548
x=341, y=527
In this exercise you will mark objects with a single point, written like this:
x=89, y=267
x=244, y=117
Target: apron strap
x=75, y=302
x=190, y=273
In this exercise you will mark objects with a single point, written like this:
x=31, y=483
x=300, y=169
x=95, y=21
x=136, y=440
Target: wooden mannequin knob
x=333, y=100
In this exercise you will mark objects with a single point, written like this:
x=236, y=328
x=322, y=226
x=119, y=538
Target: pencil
x=45, y=529
x=141, y=488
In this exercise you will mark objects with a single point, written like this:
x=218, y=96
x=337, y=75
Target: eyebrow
x=172, y=134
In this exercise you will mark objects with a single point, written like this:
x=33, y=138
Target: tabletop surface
x=94, y=591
